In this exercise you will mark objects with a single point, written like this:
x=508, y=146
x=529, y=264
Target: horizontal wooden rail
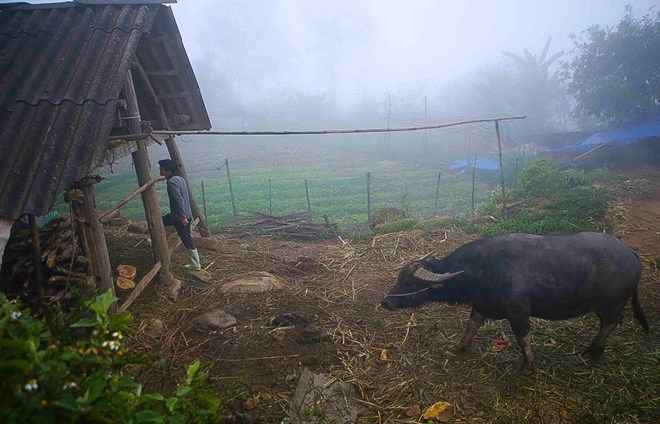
x=130, y=197
x=353, y=131
x=140, y=286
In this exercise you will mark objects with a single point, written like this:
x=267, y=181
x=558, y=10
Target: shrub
x=542, y=178
x=52, y=381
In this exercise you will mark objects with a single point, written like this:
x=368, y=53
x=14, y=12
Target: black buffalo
x=518, y=276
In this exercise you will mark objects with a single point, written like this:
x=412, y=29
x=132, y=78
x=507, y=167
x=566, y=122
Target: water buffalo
x=515, y=276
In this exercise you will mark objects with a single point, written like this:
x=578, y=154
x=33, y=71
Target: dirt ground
x=337, y=288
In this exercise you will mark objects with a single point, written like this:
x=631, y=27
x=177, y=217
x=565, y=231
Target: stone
x=209, y=243
x=254, y=282
x=138, y=227
x=318, y=396
x=214, y=320
x=154, y=328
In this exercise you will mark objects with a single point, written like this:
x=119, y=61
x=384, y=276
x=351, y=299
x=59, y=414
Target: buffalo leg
x=476, y=321
x=521, y=328
x=598, y=344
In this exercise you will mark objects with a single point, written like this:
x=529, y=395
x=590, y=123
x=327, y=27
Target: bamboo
x=231, y=191
x=590, y=151
x=350, y=131
x=140, y=287
x=130, y=197
x=499, y=148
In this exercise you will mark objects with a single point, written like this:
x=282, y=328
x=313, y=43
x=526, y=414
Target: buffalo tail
x=638, y=312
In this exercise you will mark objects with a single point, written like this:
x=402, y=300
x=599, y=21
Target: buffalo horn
x=431, y=277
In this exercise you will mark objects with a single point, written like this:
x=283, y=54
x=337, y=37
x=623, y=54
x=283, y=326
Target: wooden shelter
x=83, y=82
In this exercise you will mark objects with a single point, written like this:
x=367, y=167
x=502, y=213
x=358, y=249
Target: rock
x=209, y=243
x=201, y=274
x=154, y=328
x=217, y=319
x=439, y=411
x=255, y=282
x=120, y=222
x=320, y=396
x=413, y=411
x=138, y=227
x=287, y=319
x=171, y=292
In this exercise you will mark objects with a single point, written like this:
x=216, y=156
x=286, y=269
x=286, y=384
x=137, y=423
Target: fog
x=301, y=62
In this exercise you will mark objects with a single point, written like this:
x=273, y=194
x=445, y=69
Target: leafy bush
x=52, y=381
x=542, y=178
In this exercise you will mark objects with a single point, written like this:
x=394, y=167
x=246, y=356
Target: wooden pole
x=95, y=239
x=36, y=260
x=204, y=202
x=231, y=191
x=349, y=131
x=474, y=171
x=149, y=196
x=309, y=206
x=437, y=195
x=368, y=196
x=270, y=197
x=130, y=197
x=499, y=148
x=173, y=150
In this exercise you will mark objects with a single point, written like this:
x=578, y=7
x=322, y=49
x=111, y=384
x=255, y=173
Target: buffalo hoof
x=457, y=350
x=526, y=371
x=594, y=352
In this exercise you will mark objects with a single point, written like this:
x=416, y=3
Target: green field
x=268, y=175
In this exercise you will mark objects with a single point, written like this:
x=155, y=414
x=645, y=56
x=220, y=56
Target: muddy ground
x=337, y=287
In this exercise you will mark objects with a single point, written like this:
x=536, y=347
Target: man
x=180, y=214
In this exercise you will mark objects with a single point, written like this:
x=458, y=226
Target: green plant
x=83, y=380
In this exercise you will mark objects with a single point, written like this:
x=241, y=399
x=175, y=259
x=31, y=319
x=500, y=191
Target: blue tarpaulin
x=633, y=132
x=484, y=164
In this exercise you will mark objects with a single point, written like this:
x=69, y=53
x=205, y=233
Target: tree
x=614, y=74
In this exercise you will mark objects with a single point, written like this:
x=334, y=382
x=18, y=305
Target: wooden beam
x=95, y=240
x=140, y=287
x=149, y=197
x=130, y=197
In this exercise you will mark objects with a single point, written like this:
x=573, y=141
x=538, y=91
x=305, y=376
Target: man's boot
x=194, y=258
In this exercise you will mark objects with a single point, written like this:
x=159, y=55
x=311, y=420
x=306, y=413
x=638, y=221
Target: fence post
x=368, y=196
x=474, y=168
x=309, y=206
x=437, y=195
x=499, y=147
x=204, y=202
x=231, y=191
x=270, y=197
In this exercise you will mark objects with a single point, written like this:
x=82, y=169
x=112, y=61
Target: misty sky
x=375, y=45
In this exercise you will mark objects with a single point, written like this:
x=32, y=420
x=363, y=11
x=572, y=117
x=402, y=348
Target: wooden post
x=36, y=260
x=368, y=196
x=309, y=206
x=270, y=197
x=499, y=147
x=437, y=195
x=231, y=191
x=474, y=169
x=204, y=202
x=149, y=197
x=173, y=150
x=95, y=239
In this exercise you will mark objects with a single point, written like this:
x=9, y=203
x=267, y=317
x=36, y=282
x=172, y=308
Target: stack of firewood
x=62, y=258
x=297, y=225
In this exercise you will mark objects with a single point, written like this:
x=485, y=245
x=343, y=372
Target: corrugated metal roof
x=62, y=67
